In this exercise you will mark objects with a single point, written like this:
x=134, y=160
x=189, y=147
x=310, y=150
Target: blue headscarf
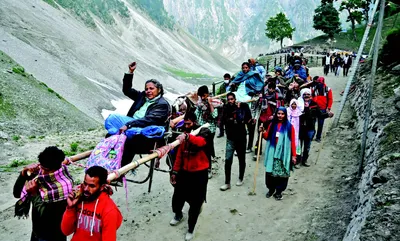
x=286, y=128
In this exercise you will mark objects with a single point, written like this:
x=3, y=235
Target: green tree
x=326, y=19
x=279, y=28
x=354, y=9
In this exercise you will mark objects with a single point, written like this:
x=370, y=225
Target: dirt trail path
x=230, y=215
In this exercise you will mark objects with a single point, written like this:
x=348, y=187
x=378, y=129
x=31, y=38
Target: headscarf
x=285, y=128
x=301, y=100
x=296, y=112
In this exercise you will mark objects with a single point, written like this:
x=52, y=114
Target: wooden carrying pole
x=134, y=164
x=258, y=159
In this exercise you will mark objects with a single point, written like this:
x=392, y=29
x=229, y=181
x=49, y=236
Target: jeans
x=307, y=139
x=321, y=121
x=240, y=147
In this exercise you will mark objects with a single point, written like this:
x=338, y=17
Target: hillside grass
x=184, y=74
x=28, y=107
x=345, y=41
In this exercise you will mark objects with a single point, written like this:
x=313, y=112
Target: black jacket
x=46, y=216
x=235, y=120
x=308, y=119
x=156, y=114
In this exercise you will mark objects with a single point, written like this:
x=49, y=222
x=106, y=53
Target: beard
x=91, y=197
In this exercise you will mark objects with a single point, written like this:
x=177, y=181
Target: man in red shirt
x=190, y=174
x=323, y=96
x=91, y=214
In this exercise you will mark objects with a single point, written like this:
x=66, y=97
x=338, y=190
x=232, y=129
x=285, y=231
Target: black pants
x=240, y=147
x=333, y=68
x=326, y=69
x=136, y=145
x=251, y=128
x=345, y=70
x=210, y=150
x=191, y=187
x=276, y=184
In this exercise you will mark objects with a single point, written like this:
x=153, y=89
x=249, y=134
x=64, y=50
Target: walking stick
x=253, y=192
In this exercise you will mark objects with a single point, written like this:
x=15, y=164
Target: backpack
x=108, y=153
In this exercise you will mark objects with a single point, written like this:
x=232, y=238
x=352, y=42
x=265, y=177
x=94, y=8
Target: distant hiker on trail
x=279, y=153
x=149, y=108
x=326, y=62
x=46, y=189
x=206, y=113
x=338, y=64
x=295, y=110
x=307, y=123
x=255, y=66
x=297, y=70
x=347, y=61
x=323, y=96
x=333, y=68
x=190, y=174
x=223, y=88
x=290, y=59
x=91, y=214
x=248, y=83
x=235, y=117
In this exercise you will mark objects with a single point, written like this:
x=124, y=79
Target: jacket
x=191, y=156
x=222, y=89
x=259, y=69
x=235, y=120
x=156, y=114
x=46, y=217
x=301, y=72
x=322, y=94
x=101, y=218
x=308, y=119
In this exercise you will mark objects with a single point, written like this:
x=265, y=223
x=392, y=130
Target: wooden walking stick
x=253, y=192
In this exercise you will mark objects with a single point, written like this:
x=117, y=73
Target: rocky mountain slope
x=30, y=108
x=236, y=29
x=85, y=64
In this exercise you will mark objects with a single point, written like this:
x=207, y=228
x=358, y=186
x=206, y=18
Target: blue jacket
x=254, y=83
x=259, y=69
x=157, y=113
x=301, y=72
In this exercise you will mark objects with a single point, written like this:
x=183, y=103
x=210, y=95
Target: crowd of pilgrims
x=285, y=110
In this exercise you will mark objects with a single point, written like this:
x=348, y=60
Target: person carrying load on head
x=256, y=67
x=149, y=109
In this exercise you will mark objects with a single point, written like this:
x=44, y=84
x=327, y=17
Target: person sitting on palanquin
x=149, y=109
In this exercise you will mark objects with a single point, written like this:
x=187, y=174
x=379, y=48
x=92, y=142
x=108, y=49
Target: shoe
x=225, y=187
x=305, y=164
x=297, y=166
x=269, y=194
x=318, y=140
x=278, y=197
x=239, y=183
x=235, y=153
x=189, y=236
x=248, y=150
x=209, y=174
x=255, y=158
x=176, y=220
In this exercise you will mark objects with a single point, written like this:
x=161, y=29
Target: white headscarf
x=296, y=112
x=301, y=100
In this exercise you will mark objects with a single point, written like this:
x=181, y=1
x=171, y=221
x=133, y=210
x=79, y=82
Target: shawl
x=53, y=187
x=254, y=84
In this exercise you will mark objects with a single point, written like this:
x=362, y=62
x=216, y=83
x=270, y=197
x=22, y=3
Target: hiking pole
x=253, y=192
x=160, y=152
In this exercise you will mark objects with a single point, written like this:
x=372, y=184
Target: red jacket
x=107, y=219
x=191, y=156
x=324, y=99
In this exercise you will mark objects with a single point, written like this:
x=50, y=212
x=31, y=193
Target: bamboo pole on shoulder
x=112, y=176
